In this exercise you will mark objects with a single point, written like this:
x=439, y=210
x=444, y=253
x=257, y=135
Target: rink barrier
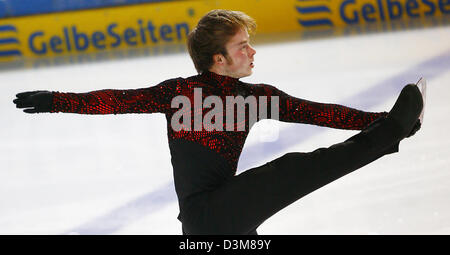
x=15, y=8
x=166, y=24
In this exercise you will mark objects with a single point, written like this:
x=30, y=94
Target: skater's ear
x=219, y=59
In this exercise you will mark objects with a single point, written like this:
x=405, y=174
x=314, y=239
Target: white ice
x=83, y=174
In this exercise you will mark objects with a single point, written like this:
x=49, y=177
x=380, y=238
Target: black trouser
x=241, y=204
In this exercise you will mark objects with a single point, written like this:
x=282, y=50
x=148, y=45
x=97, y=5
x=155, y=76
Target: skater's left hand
x=415, y=128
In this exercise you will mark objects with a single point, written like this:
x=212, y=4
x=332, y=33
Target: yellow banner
x=168, y=23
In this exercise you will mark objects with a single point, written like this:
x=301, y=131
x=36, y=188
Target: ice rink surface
x=111, y=174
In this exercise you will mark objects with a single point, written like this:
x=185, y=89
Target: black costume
x=212, y=199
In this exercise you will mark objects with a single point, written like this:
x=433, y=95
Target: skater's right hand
x=34, y=101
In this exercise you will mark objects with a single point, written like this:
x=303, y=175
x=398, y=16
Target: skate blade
x=422, y=85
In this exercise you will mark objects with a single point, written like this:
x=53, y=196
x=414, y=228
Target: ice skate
x=422, y=85
x=407, y=109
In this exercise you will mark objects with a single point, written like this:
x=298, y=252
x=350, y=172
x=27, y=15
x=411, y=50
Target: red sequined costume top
x=203, y=159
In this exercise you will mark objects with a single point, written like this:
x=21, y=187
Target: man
x=212, y=199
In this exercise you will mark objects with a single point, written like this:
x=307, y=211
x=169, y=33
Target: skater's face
x=239, y=61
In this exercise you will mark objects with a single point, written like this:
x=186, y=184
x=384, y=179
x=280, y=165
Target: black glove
x=415, y=128
x=34, y=101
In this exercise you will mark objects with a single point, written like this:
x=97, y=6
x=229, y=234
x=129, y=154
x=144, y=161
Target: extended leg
x=243, y=203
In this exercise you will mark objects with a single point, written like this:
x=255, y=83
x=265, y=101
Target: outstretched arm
x=145, y=100
x=292, y=109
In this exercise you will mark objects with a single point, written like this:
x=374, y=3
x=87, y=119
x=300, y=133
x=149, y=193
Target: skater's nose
x=252, y=51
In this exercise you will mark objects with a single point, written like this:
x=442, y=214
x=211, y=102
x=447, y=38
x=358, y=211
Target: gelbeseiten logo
x=329, y=13
x=9, y=43
x=314, y=13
